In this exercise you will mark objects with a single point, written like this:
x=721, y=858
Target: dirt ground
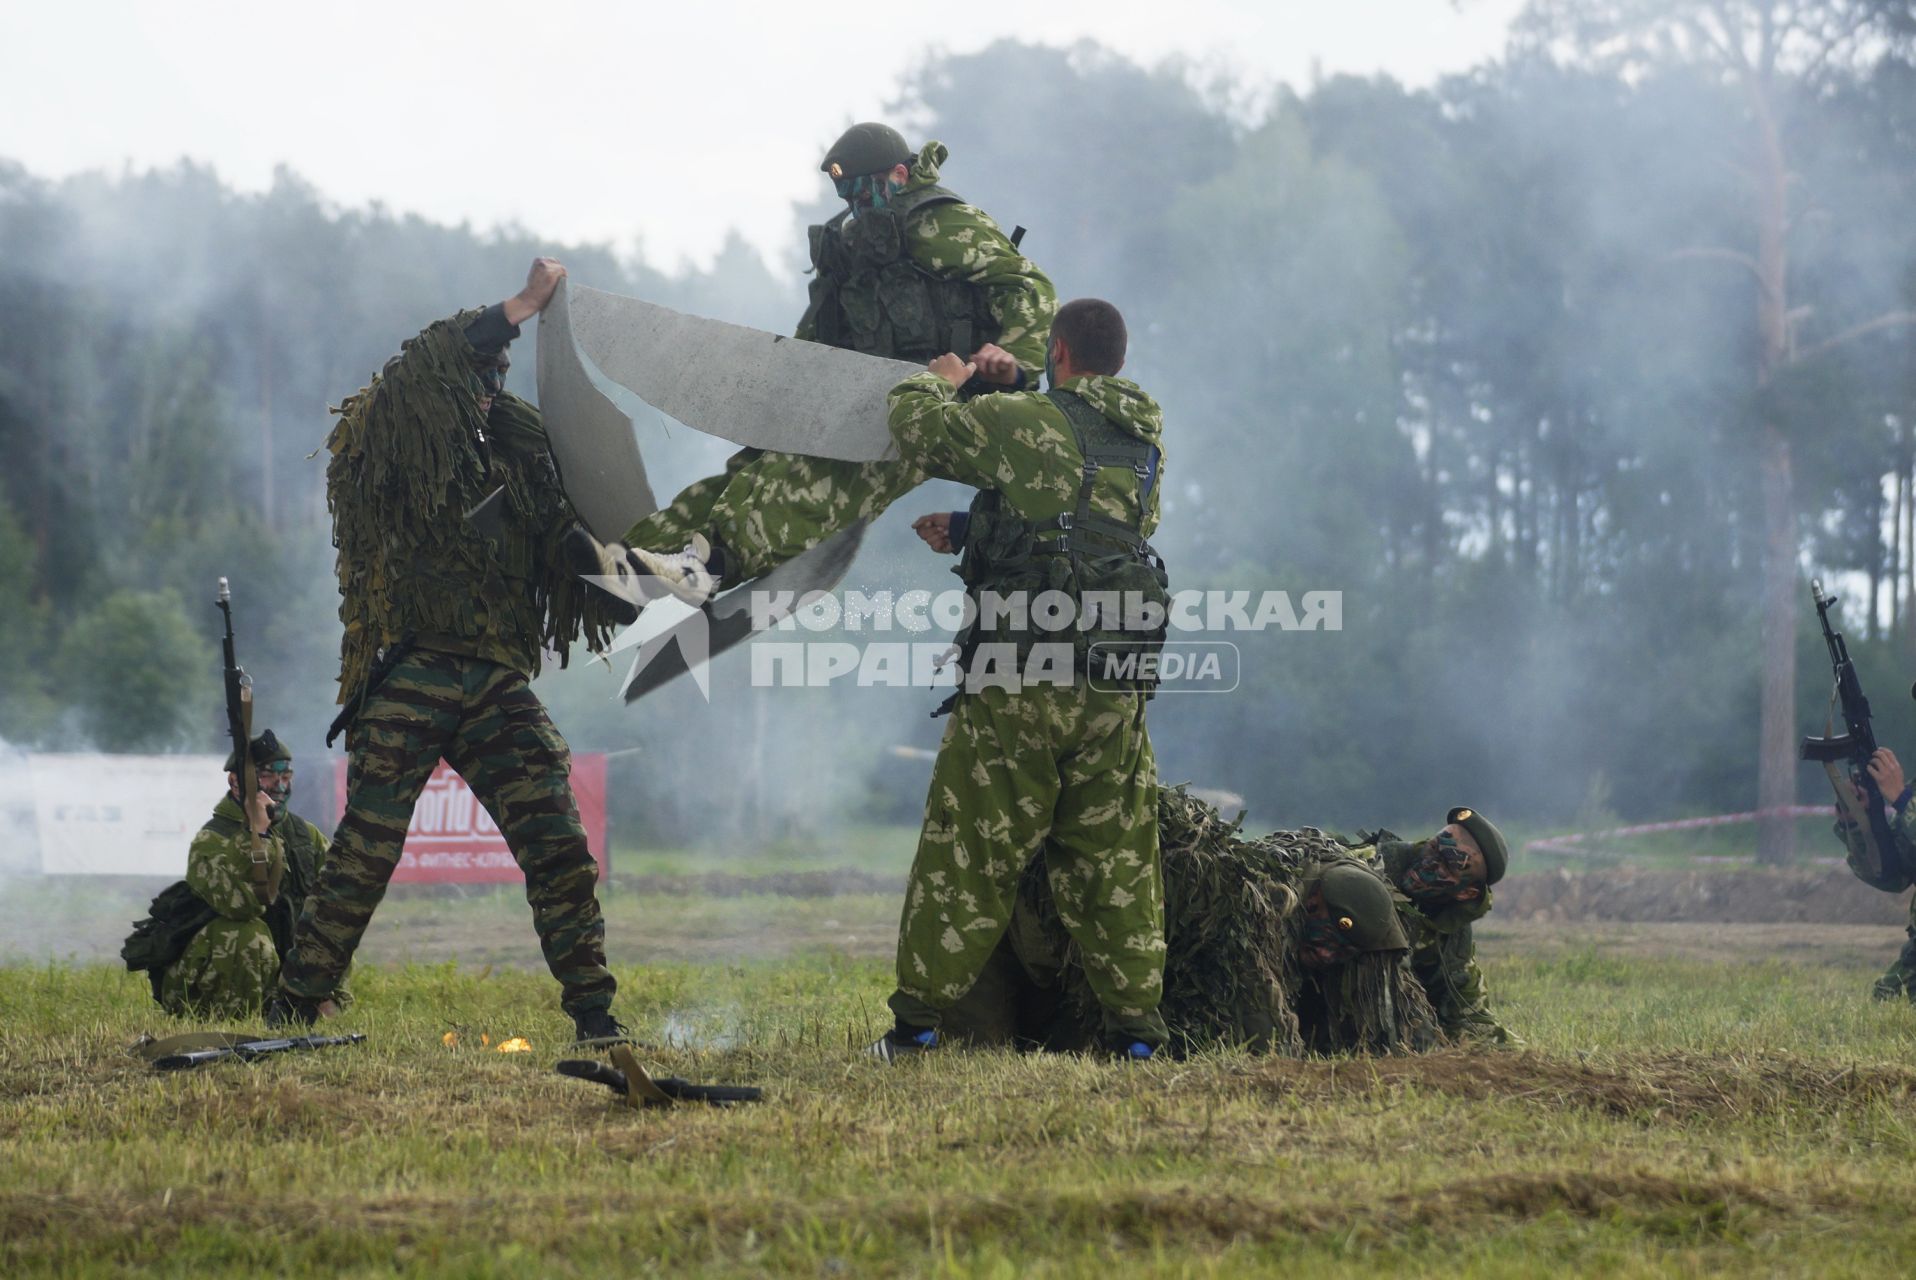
x=1828, y=895
x=1841, y=946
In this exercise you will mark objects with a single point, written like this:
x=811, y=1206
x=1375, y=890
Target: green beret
x=866, y=148
x=265, y=750
x=1488, y=838
x=1360, y=903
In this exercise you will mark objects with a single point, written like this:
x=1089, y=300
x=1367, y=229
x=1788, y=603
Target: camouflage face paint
x=1327, y=941
x=866, y=191
x=276, y=780
x=1439, y=872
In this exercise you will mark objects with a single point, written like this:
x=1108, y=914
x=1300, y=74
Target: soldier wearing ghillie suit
x=1068, y=496
x=907, y=271
x=212, y=944
x=444, y=629
x=1287, y=944
x=1890, y=874
x=1444, y=888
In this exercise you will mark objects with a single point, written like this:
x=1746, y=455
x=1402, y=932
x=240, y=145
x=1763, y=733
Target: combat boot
x=598, y=1026
x=286, y=1010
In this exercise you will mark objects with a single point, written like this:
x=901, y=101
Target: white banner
x=108, y=815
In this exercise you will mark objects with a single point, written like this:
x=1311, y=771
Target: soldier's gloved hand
x=1888, y=772
x=995, y=364
x=935, y=529
x=953, y=370
x=541, y=282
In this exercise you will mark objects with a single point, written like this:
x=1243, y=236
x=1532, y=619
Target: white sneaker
x=684, y=575
x=638, y=576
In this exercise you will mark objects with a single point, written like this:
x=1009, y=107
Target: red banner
x=453, y=840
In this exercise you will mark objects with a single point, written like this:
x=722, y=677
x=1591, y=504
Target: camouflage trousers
x=1899, y=980
x=489, y=725
x=227, y=971
x=1065, y=769
x=768, y=507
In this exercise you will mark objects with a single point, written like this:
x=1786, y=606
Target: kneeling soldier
x=212, y=943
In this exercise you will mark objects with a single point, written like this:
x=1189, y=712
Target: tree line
x=1567, y=372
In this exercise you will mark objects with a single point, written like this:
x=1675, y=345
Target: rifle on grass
x=1854, y=748
x=249, y=1051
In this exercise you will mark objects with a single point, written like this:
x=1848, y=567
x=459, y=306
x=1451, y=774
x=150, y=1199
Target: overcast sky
x=618, y=122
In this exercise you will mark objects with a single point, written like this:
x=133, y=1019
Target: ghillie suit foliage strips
x=1233, y=926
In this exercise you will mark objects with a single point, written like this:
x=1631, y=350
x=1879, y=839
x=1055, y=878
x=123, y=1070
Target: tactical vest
x=1091, y=558
x=869, y=295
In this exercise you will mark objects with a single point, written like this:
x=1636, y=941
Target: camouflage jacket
x=219, y=863
x=1903, y=827
x=1443, y=953
x=1021, y=445
x=957, y=241
x=411, y=454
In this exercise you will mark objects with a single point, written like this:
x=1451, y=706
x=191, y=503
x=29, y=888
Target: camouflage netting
x=410, y=454
x=1233, y=920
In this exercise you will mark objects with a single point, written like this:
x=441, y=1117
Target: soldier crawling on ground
x=1443, y=884
x=1293, y=943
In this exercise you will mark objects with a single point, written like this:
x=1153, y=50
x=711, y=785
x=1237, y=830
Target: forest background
x=1567, y=372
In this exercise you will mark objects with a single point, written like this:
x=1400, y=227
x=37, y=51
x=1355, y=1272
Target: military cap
x=1361, y=907
x=866, y=148
x=264, y=749
x=1488, y=838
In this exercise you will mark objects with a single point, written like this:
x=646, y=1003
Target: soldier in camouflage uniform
x=908, y=271
x=1290, y=943
x=444, y=629
x=1899, y=980
x=1069, y=481
x=215, y=940
x=1444, y=887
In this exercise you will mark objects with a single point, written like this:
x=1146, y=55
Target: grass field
x=1692, y=1100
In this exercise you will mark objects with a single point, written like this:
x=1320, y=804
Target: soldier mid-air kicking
x=908, y=271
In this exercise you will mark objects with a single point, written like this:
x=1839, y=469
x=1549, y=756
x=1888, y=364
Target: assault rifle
x=239, y=727
x=1855, y=746
x=249, y=1051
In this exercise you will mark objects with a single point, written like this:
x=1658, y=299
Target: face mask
x=1050, y=369
x=492, y=379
